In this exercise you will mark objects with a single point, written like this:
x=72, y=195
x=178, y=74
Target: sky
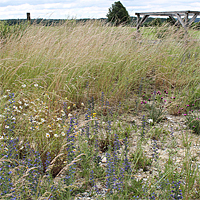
x=78, y=9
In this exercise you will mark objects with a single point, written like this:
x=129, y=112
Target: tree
x=118, y=14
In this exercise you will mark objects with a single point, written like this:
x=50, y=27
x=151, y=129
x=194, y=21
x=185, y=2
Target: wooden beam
x=186, y=19
x=181, y=21
x=142, y=21
x=138, y=18
x=182, y=13
x=170, y=16
x=192, y=19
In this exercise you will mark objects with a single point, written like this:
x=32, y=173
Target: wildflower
x=63, y=134
x=59, y=119
x=74, y=105
x=184, y=114
x=36, y=85
x=1, y=137
x=68, y=107
x=42, y=120
x=69, y=115
x=55, y=135
x=82, y=104
x=94, y=115
x=24, y=85
x=47, y=135
x=150, y=121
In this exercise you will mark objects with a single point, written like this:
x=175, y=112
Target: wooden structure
x=182, y=17
x=28, y=17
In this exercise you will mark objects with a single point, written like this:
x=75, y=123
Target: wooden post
x=192, y=19
x=141, y=21
x=28, y=17
x=181, y=21
x=170, y=16
x=186, y=19
x=138, y=18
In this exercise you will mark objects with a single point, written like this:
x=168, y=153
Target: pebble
x=104, y=160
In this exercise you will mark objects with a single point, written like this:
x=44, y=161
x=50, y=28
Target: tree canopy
x=118, y=14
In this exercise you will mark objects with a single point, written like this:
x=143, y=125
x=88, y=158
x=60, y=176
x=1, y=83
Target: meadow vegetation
x=66, y=95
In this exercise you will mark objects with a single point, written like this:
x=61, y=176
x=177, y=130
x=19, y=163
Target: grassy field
x=65, y=92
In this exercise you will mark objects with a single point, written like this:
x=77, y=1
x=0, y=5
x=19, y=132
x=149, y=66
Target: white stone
x=104, y=160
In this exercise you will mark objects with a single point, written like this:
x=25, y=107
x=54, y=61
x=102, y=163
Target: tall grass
x=69, y=59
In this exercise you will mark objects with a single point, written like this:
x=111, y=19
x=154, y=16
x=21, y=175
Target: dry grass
x=72, y=59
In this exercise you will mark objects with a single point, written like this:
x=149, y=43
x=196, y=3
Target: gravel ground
x=174, y=140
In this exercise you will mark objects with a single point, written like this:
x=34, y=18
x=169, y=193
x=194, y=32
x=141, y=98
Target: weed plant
x=64, y=91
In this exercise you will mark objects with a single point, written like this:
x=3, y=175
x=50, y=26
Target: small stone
x=104, y=160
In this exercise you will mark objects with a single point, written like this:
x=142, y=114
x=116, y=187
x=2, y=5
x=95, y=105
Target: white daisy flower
x=63, y=134
x=47, y=135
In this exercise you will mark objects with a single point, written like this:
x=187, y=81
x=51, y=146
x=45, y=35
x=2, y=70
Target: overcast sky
x=67, y=9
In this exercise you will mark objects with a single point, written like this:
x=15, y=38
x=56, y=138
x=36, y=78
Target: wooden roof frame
x=185, y=22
